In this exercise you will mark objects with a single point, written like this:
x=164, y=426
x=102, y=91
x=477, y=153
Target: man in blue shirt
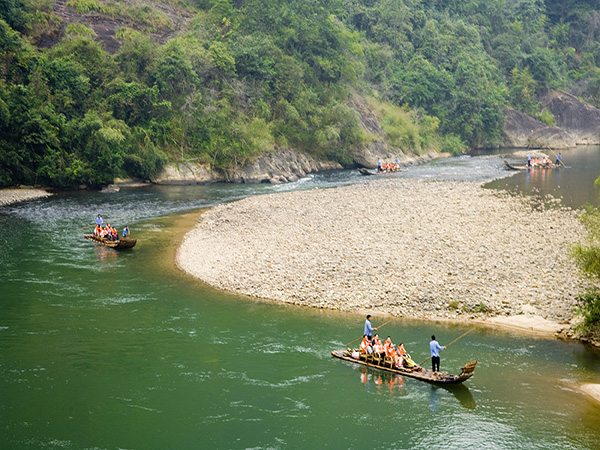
x=368, y=328
x=558, y=159
x=435, y=347
x=99, y=220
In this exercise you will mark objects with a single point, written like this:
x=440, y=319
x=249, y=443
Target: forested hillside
x=94, y=89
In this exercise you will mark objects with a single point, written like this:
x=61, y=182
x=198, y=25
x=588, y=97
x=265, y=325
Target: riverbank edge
x=591, y=389
x=526, y=324
x=11, y=196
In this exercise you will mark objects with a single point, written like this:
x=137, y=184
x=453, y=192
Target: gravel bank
x=422, y=249
x=10, y=196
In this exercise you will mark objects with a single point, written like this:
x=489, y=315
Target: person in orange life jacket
x=365, y=346
x=406, y=359
x=378, y=346
x=398, y=361
x=387, y=344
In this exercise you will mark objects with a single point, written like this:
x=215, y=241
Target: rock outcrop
x=281, y=166
x=278, y=166
x=577, y=123
x=581, y=120
x=187, y=173
x=521, y=130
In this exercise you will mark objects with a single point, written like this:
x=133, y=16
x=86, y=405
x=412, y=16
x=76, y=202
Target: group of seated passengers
x=107, y=232
x=545, y=161
x=386, y=350
x=388, y=167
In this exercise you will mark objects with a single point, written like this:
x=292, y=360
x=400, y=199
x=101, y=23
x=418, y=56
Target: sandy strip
x=592, y=390
x=10, y=196
x=413, y=248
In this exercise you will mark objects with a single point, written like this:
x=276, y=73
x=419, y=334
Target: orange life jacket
x=364, y=344
x=401, y=350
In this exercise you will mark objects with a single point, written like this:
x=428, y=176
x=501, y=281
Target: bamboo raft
x=364, y=171
x=517, y=167
x=420, y=373
x=121, y=244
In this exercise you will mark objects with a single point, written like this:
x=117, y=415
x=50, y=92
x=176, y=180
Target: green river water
x=119, y=350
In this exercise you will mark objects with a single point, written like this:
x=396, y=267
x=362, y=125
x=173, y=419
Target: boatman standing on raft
x=435, y=347
x=368, y=327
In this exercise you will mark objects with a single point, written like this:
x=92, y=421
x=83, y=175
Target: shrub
x=86, y=6
x=590, y=311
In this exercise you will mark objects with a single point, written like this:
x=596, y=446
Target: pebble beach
x=449, y=250
x=10, y=196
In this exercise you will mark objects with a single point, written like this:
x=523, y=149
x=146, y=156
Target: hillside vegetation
x=94, y=89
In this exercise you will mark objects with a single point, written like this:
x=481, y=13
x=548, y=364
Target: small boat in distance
x=364, y=171
x=120, y=244
x=420, y=373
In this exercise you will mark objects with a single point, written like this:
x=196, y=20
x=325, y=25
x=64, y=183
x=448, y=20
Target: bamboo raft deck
x=420, y=373
x=121, y=244
x=364, y=171
x=518, y=167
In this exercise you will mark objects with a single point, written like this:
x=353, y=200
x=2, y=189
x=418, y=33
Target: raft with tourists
x=526, y=167
x=418, y=372
x=364, y=171
x=108, y=235
x=119, y=244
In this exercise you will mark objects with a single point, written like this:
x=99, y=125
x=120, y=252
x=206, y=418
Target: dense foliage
x=587, y=257
x=245, y=76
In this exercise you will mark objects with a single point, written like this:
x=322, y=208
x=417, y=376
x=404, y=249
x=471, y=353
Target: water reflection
x=382, y=381
x=104, y=254
x=379, y=381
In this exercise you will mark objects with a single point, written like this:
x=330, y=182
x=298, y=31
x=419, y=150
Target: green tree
x=587, y=257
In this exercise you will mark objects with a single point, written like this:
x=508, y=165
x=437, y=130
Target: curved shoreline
x=12, y=196
x=419, y=249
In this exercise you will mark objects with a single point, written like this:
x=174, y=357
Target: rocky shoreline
x=11, y=196
x=421, y=249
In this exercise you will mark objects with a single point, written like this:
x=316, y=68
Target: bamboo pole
x=561, y=161
x=376, y=328
x=460, y=337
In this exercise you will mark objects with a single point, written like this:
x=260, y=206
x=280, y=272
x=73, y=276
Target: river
x=119, y=350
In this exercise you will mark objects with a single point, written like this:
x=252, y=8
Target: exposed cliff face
x=272, y=167
x=521, y=130
x=281, y=166
x=577, y=124
x=578, y=118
